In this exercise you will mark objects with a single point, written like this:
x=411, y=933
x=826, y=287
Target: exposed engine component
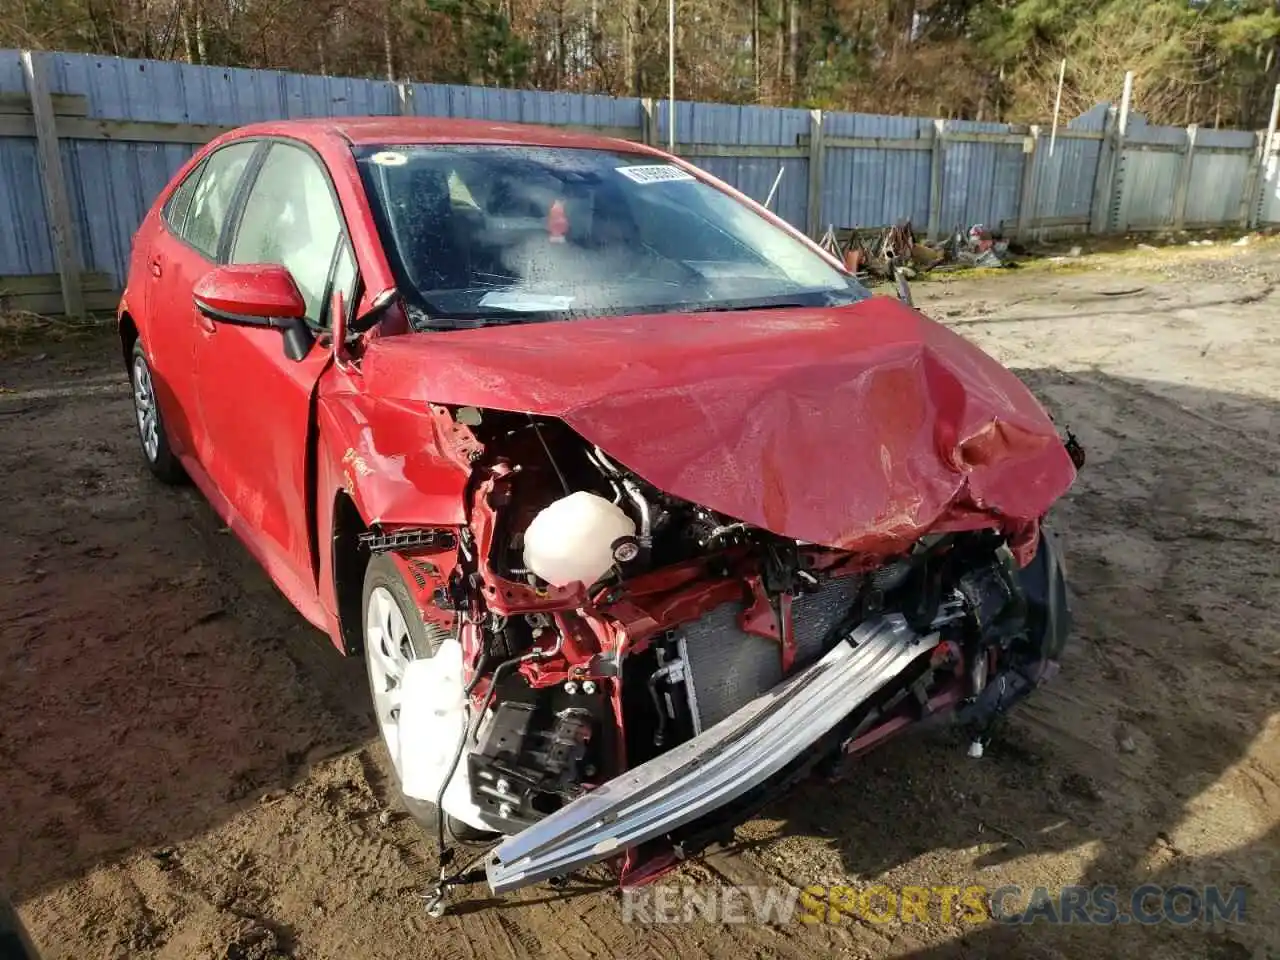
x=726, y=666
x=578, y=538
x=531, y=758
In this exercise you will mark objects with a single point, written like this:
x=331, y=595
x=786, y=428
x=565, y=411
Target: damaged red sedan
x=636, y=503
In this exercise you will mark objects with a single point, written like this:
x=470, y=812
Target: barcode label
x=654, y=173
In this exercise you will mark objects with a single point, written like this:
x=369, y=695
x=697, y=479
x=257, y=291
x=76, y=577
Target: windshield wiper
x=732, y=308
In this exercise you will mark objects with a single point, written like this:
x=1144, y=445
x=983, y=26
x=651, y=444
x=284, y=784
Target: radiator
x=725, y=666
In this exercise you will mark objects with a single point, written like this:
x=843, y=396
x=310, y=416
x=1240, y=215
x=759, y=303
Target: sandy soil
x=188, y=770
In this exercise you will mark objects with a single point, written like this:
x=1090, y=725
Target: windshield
x=501, y=234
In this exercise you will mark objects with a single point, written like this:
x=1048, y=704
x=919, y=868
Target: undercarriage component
x=528, y=760
x=715, y=767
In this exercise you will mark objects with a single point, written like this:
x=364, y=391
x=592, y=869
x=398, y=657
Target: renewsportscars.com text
x=1099, y=904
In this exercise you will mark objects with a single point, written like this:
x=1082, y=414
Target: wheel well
x=128, y=337
x=350, y=558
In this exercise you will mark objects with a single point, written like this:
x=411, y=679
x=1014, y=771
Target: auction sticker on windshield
x=654, y=173
x=520, y=300
x=389, y=158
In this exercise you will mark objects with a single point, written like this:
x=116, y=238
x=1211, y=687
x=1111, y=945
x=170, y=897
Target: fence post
x=49, y=161
x=1108, y=186
x=1027, y=197
x=1258, y=184
x=1099, y=202
x=1115, y=197
x=937, y=157
x=1184, y=179
x=648, y=126
x=1249, y=193
x=404, y=98
x=817, y=160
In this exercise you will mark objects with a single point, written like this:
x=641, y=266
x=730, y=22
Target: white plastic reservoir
x=573, y=539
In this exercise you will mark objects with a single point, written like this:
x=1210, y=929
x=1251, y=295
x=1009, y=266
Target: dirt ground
x=188, y=770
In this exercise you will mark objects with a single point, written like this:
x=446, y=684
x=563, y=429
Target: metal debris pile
x=883, y=252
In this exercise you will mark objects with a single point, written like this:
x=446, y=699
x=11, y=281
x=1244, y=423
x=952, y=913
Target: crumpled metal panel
x=859, y=427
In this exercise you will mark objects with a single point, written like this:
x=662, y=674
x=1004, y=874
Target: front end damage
x=635, y=673
x=677, y=562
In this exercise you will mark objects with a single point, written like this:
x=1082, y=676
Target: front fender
x=387, y=455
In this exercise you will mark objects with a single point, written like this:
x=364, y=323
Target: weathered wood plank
x=1078, y=221
x=693, y=150
x=50, y=304
x=41, y=283
x=146, y=131
x=49, y=161
x=938, y=145
x=880, y=143
x=64, y=104
x=1183, y=186
x=817, y=161
x=634, y=134
x=1027, y=193
x=138, y=131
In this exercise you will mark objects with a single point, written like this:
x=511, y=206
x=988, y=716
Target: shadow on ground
x=1154, y=753
x=153, y=682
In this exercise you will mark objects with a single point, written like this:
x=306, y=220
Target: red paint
x=764, y=620
x=503, y=596
x=938, y=703
x=860, y=427
x=263, y=291
x=398, y=473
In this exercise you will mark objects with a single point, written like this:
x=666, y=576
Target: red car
x=636, y=503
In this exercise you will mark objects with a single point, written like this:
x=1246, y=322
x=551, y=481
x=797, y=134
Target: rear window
x=175, y=209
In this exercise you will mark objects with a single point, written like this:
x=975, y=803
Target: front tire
x=394, y=634
x=152, y=437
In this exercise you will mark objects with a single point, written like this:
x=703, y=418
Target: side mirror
x=377, y=308
x=257, y=295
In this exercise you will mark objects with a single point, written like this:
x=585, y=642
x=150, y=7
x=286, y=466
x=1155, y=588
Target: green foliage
x=1212, y=62
x=487, y=51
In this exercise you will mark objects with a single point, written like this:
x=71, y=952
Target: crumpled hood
x=858, y=427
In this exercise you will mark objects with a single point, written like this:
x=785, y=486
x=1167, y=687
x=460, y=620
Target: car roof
x=404, y=130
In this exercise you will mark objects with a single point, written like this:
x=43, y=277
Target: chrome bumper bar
x=715, y=767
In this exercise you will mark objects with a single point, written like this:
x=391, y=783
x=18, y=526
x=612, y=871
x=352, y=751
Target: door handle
x=155, y=268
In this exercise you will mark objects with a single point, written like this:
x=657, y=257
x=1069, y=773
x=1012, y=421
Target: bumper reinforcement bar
x=715, y=767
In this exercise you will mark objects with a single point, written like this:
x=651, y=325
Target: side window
x=175, y=209
x=292, y=219
x=211, y=199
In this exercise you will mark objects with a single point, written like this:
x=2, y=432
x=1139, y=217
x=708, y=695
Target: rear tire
x=394, y=634
x=152, y=437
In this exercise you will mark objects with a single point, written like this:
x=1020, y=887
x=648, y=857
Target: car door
x=183, y=252
x=254, y=401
